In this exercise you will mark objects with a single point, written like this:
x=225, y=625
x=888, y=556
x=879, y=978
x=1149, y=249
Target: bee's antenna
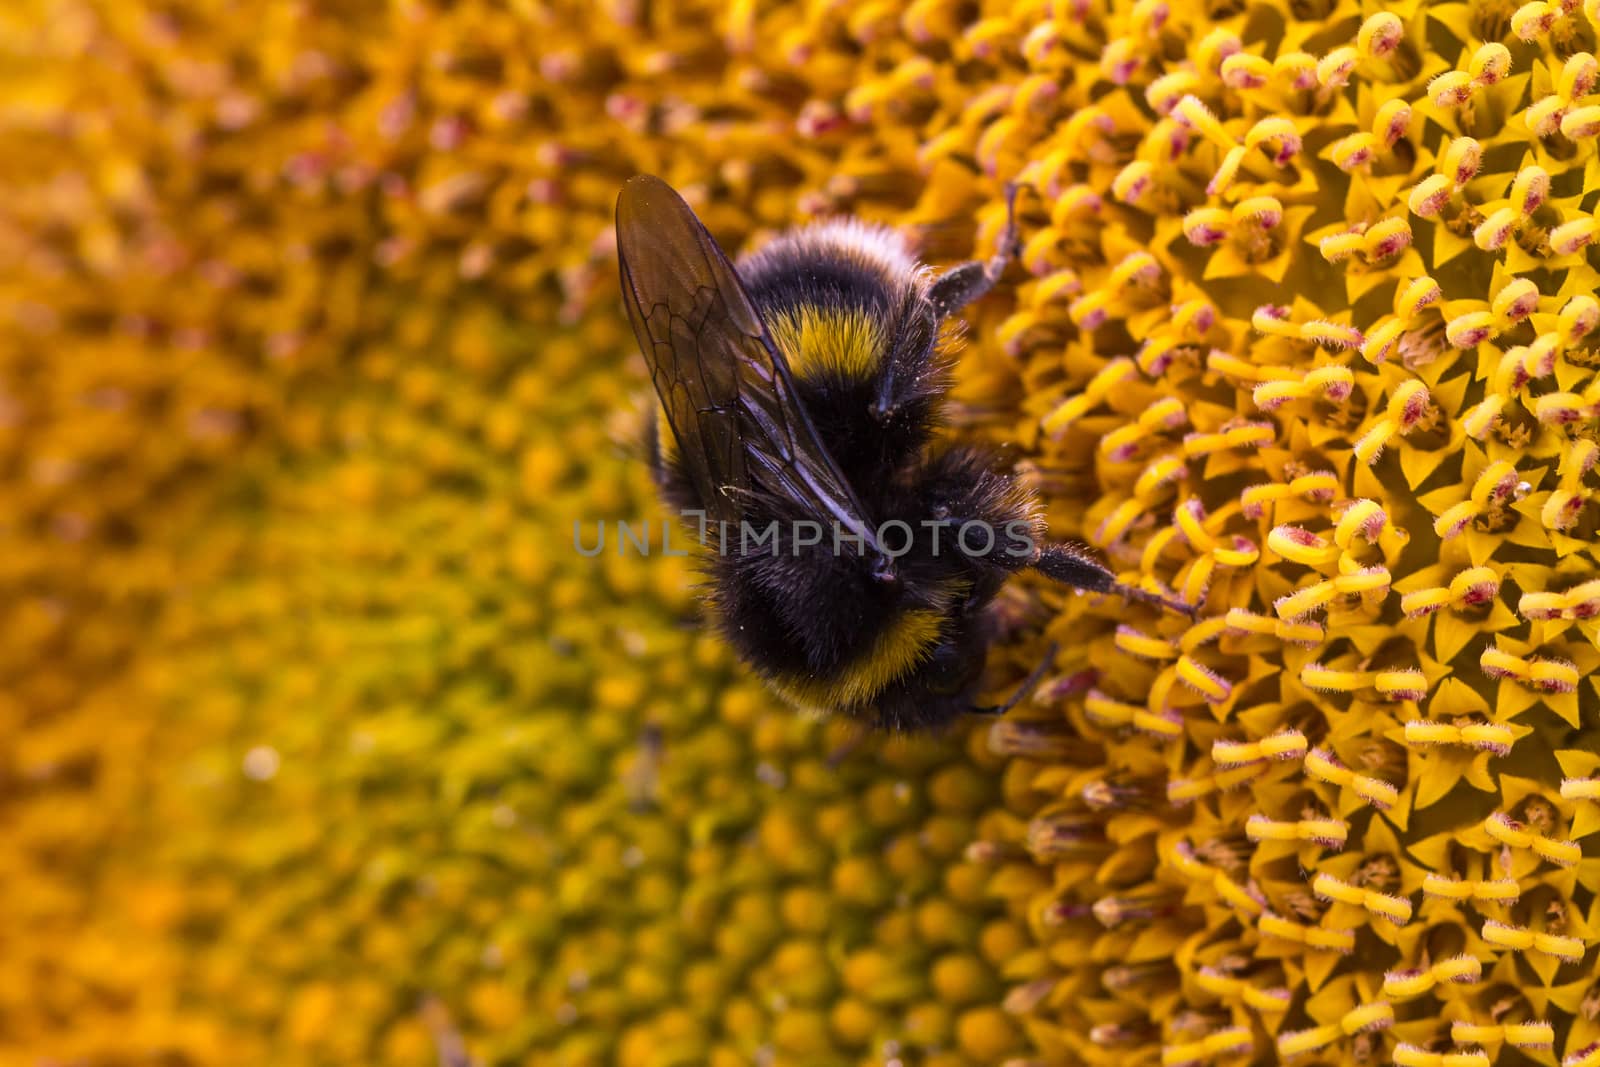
x=1028, y=685
x=1068, y=565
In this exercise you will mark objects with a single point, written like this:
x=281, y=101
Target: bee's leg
x=904, y=380
x=960, y=286
x=1067, y=565
x=1028, y=685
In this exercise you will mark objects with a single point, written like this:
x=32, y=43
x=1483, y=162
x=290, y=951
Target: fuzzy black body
x=843, y=328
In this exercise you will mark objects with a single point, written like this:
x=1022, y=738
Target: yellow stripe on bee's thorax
x=818, y=341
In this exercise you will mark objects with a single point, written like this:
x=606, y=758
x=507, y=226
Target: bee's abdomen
x=820, y=630
x=893, y=652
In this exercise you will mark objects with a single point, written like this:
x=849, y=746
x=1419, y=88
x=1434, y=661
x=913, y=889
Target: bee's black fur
x=768, y=601
x=811, y=618
x=782, y=278
x=813, y=615
x=867, y=441
x=903, y=398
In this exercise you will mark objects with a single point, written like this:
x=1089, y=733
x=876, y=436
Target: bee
x=851, y=554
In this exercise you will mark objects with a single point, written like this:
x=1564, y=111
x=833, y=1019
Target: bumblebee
x=851, y=555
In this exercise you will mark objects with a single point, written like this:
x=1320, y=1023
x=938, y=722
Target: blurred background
x=318, y=743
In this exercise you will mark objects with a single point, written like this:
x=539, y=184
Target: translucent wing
x=726, y=390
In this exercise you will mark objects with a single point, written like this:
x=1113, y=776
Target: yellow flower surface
x=321, y=744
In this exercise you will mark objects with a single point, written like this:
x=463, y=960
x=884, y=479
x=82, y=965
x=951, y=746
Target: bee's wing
x=726, y=390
